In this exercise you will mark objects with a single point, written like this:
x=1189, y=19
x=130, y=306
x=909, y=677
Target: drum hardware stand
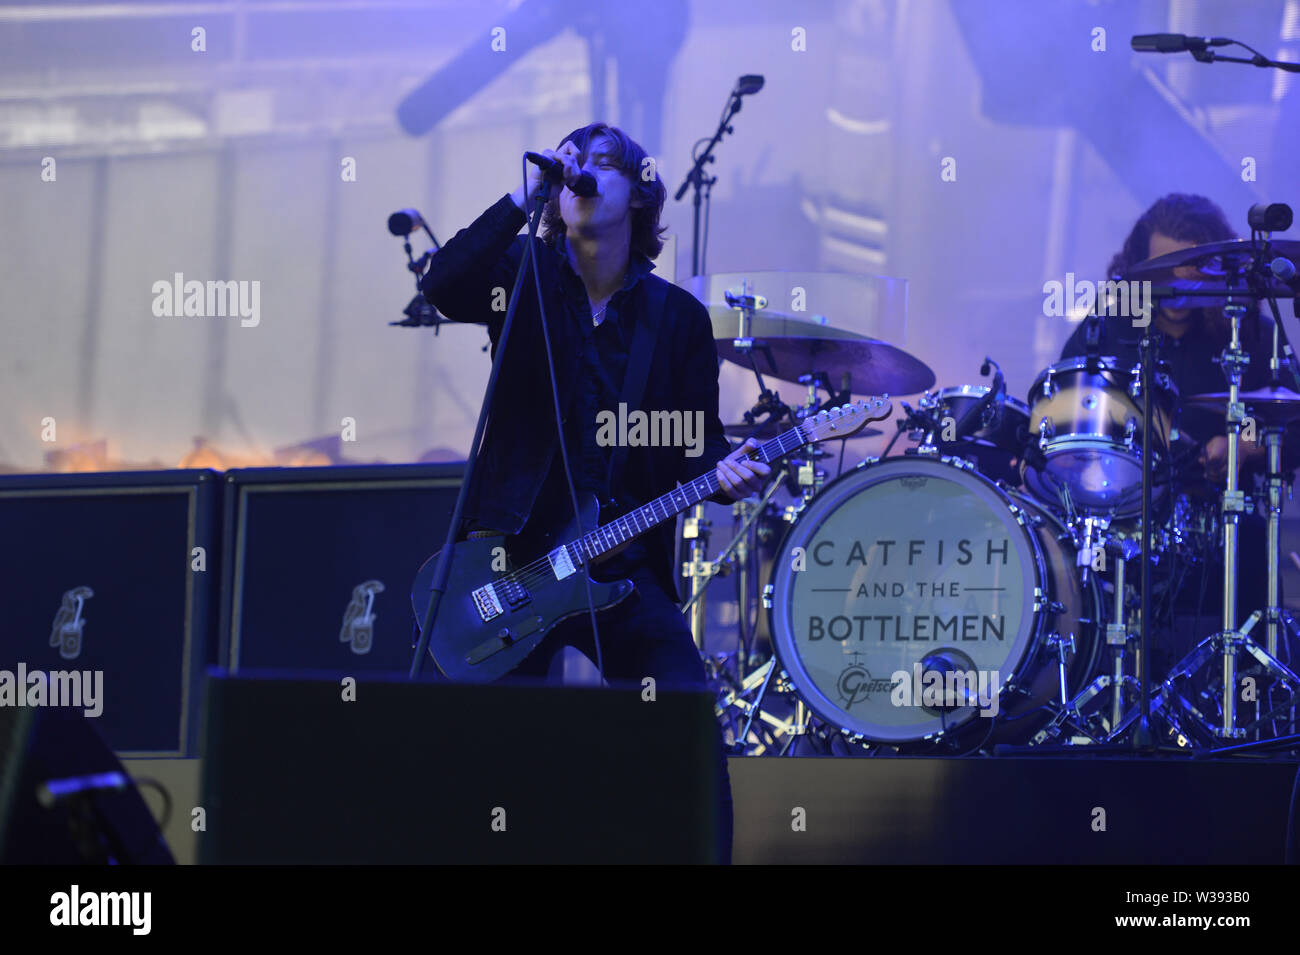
x=1228, y=642
x=799, y=723
x=695, y=530
x=701, y=570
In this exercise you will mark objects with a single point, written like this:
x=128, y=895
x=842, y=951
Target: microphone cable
x=559, y=428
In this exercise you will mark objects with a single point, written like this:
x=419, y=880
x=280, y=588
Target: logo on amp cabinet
x=359, y=619
x=68, y=624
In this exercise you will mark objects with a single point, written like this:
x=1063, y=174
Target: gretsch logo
x=359, y=618
x=68, y=622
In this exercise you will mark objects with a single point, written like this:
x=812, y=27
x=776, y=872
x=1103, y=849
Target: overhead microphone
x=1175, y=43
x=584, y=185
x=1269, y=216
x=749, y=84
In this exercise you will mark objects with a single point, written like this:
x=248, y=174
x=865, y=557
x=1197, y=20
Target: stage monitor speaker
x=111, y=580
x=319, y=564
x=65, y=799
x=304, y=771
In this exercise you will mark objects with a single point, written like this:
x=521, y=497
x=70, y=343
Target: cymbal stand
x=1069, y=712
x=1230, y=641
x=701, y=570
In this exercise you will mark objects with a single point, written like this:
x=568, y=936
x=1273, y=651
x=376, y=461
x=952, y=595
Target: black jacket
x=463, y=282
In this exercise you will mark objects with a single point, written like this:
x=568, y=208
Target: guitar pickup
x=513, y=592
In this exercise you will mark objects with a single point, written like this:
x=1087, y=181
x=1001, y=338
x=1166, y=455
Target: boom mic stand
x=699, y=181
x=442, y=570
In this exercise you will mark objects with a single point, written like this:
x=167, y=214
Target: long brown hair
x=631, y=160
x=1184, y=218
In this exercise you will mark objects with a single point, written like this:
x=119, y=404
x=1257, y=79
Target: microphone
x=1269, y=216
x=749, y=84
x=584, y=185
x=405, y=221
x=1285, y=270
x=1175, y=42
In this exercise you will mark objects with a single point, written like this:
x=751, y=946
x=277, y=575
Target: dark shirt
x=603, y=368
x=1191, y=361
x=471, y=274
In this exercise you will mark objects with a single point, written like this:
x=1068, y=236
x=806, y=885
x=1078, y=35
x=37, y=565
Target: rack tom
x=1086, y=420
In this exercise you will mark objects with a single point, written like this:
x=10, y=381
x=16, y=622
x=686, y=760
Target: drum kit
x=977, y=590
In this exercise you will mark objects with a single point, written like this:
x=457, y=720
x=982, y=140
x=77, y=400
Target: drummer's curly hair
x=632, y=159
x=1185, y=218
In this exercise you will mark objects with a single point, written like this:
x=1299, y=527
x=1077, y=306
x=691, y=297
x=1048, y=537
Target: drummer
x=1189, y=342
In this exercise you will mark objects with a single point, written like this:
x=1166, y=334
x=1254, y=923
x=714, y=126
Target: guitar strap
x=638, y=362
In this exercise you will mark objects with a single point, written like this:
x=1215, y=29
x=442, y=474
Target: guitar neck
x=667, y=506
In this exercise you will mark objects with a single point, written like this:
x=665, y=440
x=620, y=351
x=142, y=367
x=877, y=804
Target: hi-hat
x=1273, y=405
x=1203, y=274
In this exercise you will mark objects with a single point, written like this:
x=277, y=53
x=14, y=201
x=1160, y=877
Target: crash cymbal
x=768, y=324
x=867, y=365
x=1271, y=404
x=770, y=429
x=1216, y=267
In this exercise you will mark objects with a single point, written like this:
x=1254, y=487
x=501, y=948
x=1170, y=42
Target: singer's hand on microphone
x=567, y=154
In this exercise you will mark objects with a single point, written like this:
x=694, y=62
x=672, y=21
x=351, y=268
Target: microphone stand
x=442, y=570
x=1143, y=736
x=1259, y=59
x=696, y=178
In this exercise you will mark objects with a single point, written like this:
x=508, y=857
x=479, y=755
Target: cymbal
x=1272, y=404
x=798, y=347
x=1214, y=267
x=770, y=429
x=769, y=324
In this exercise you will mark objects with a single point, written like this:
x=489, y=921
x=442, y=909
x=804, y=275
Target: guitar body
x=487, y=625
x=490, y=618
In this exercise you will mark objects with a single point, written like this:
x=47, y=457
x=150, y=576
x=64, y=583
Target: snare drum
x=912, y=566
x=1088, y=426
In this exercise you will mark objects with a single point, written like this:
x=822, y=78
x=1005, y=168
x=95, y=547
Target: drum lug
x=767, y=596
x=1049, y=385
x=1046, y=431
x=1130, y=431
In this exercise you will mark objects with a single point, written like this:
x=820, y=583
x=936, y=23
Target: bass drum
x=912, y=566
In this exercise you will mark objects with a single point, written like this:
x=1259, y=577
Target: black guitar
x=494, y=612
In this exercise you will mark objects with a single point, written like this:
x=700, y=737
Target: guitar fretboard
x=668, y=506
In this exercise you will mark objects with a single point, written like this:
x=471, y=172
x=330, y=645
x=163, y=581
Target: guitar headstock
x=847, y=419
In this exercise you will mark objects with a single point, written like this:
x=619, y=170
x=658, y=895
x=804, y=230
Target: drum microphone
x=1269, y=217
x=1285, y=270
x=553, y=169
x=1175, y=43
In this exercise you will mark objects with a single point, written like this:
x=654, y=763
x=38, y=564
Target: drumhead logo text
x=856, y=684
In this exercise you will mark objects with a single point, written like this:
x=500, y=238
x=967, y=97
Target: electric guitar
x=495, y=612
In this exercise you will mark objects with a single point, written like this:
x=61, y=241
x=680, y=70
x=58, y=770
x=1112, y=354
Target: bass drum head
x=890, y=565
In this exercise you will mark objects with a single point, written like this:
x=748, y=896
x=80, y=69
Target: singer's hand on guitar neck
x=567, y=154
x=739, y=476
